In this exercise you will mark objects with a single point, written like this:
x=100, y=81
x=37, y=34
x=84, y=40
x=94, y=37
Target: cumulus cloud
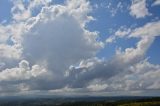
x=130, y=74
x=22, y=72
x=56, y=36
x=120, y=33
x=97, y=75
x=156, y=2
x=97, y=87
x=18, y=79
x=54, y=51
x=149, y=30
x=55, y=39
x=10, y=51
x=141, y=74
x=21, y=12
x=4, y=33
x=144, y=76
x=139, y=9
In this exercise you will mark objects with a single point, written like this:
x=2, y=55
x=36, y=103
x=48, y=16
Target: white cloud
x=120, y=33
x=131, y=73
x=22, y=72
x=55, y=39
x=113, y=9
x=97, y=87
x=7, y=51
x=149, y=30
x=19, y=11
x=140, y=69
x=144, y=76
x=156, y=2
x=135, y=54
x=56, y=31
x=139, y=9
x=56, y=52
x=111, y=39
x=4, y=35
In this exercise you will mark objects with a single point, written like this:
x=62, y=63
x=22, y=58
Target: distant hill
x=81, y=101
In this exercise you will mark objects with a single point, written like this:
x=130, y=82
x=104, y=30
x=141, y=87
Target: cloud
x=22, y=72
x=18, y=79
x=111, y=39
x=139, y=70
x=4, y=33
x=112, y=8
x=57, y=38
x=97, y=87
x=21, y=11
x=156, y=2
x=104, y=76
x=10, y=51
x=53, y=40
x=144, y=76
x=120, y=33
x=149, y=30
x=55, y=52
x=127, y=70
x=139, y=9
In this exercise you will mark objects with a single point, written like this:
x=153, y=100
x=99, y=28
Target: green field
x=154, y=103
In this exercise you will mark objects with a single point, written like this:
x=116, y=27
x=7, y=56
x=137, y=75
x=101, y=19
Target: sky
x=80, y=47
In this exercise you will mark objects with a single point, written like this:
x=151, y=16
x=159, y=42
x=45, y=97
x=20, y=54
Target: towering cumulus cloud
x=55, y=39
x=58, y=39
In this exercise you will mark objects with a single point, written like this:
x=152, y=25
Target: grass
x=153, y=103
